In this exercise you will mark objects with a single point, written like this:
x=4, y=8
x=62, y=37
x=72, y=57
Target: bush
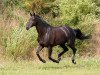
x=20, y=42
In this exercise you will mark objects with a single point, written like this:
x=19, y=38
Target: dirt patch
x=96, y=38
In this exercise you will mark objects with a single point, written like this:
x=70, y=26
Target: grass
x=65, y=67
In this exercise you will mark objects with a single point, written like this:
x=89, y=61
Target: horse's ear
x=30, y=14
x=33, y=14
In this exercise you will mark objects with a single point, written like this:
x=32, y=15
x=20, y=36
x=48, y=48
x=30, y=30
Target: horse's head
x=32, y=21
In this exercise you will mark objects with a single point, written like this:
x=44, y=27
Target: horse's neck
x=42, y=28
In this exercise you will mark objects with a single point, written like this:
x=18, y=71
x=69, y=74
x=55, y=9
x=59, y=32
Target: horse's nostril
x=27, y=28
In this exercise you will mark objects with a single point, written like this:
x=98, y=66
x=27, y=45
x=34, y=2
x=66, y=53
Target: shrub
x=20, y=42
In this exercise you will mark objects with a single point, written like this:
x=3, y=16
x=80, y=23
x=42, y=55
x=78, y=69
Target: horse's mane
x=45, y=23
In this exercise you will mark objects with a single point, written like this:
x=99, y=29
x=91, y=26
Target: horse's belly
x=61, y=40
x=45, y=42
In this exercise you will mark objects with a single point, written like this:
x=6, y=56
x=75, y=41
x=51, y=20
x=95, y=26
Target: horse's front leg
x=49, y=55
x=38, y=50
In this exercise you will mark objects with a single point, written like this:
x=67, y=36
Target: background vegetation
x=17, y=43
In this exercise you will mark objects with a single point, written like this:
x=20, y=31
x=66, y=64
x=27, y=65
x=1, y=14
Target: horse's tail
x=80, y=35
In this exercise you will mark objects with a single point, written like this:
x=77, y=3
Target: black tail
x=80, y=35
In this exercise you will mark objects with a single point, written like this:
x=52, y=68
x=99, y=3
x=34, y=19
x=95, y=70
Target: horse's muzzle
x=27, y=28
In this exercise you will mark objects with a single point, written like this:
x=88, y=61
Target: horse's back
x=63, y=34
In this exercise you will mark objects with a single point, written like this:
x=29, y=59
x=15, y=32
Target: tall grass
x=20, y=42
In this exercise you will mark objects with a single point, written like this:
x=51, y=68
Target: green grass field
x=65, y=67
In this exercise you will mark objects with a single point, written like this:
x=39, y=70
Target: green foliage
x=74, y=13
x=20, y=42
x=10, y=3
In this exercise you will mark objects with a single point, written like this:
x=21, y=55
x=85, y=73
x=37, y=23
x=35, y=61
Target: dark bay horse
x=49, y=36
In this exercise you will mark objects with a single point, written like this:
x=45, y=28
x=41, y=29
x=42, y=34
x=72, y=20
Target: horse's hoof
x=59, y=59
x=43, y=61
x=73, y=61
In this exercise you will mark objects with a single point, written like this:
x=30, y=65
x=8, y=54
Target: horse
x=49, y=36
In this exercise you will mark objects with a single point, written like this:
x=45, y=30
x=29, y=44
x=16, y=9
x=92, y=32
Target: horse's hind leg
x=65, y=49
x=49, y=55
x=38, y=50
x=74, y=52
